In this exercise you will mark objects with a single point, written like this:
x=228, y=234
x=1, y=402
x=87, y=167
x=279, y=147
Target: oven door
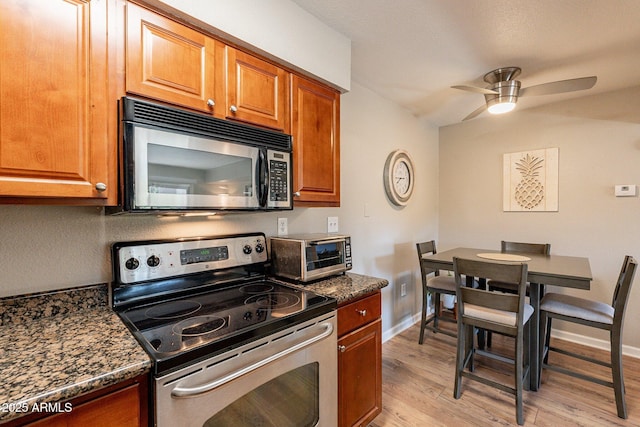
x=288, y=379
x=172, y=170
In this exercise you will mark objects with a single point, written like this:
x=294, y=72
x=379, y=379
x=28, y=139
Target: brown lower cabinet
x=359, y=361
x=121, y=405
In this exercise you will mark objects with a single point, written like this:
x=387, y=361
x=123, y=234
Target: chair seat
x=443, y=283
x=579, y=308
x=496, y=316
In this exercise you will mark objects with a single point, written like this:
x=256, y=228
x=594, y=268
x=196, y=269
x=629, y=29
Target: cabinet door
x=257, y=91
x=169, y=61
x=316, y=143
x=55, y=138
x=360, y=375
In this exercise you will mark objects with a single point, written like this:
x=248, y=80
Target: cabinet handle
x=101, y=186
x=211, y=102
x=342, y=348
x=233, y=108
x=362, y=312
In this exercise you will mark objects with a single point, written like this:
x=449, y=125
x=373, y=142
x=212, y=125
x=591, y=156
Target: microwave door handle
x=262, y=178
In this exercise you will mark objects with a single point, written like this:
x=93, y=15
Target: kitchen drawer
x=358, y=313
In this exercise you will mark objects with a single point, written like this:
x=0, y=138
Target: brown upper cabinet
x=256, y=91
x=57, y=122
x=171, y=62
x=315, y=127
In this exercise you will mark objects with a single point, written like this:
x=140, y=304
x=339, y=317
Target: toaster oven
x=307, y=257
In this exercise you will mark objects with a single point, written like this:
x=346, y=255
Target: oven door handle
x=180, y=392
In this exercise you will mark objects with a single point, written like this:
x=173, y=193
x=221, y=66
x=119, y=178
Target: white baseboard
x=568, y=336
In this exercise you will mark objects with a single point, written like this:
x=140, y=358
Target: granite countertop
x=345, y=287
x=59, y=345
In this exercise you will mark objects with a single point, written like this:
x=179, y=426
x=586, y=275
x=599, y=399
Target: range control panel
x=152, y=260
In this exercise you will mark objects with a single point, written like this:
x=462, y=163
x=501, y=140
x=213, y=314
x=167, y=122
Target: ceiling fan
x=503, y=91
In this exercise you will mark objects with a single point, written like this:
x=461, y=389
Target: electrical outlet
x=332, y=224
x=283, y=227
x=403, y=290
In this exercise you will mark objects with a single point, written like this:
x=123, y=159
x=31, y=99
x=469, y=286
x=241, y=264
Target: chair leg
x=616, y=371
x=455, y=311
x=436, y=311
x=423, y=323
x=460, y=357
x=519, y=374
x=544, y=351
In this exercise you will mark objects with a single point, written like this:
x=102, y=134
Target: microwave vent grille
x=157, y=115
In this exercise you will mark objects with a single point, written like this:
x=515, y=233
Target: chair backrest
x=623, y=289
x=528, y=248
x=426, y=248
x=514, y=273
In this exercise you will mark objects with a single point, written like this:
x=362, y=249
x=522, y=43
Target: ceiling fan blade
x=476, y=89
x=476, y=112
x=560, y=86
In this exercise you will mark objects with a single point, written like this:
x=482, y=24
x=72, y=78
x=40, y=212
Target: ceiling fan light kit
x=502, y=94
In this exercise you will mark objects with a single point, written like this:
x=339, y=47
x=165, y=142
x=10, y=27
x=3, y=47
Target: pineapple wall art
x=531, y=181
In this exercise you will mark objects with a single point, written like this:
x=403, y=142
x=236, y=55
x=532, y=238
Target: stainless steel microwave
x=179, y=161
x=306, y=257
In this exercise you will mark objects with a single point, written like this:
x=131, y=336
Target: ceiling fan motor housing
x=508, y=92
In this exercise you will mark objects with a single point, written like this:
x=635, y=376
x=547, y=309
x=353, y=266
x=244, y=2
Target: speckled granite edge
x=60, y=345
x=27, y=307
x=345, y=287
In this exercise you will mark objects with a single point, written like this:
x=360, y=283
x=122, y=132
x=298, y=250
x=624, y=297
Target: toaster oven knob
x=247, y=249
x=259, y=248
x=153, y=261
x=131, y=264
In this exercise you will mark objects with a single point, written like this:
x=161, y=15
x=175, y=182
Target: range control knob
x=259, y=247
x=247, y=249
x=247, y=316
x=153, y=261
x=131, y=264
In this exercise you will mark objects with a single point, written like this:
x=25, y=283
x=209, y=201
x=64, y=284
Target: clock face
x=399, y=177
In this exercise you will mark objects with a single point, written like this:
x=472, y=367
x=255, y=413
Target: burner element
x=256, y=288
x=172, y=309
x=273, y=300
x=199, y=325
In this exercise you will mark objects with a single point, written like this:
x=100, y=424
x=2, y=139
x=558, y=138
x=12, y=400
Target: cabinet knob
x=101, y=186
x=342, y=348
x=211, y=102
x=362, y=312
x=233, y=108
x=296, y=194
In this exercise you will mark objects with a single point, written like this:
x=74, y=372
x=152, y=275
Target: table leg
x=536, y=292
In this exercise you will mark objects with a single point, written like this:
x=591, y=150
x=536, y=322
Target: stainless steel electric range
x=229, y=346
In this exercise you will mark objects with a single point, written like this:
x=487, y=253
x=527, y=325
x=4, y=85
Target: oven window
x=290, y=400
x=324, y=255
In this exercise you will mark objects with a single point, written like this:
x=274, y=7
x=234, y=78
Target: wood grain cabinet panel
x=55, y=135
x=170, y=62
x=359, y=362
x=315, y=128
x=257, y=91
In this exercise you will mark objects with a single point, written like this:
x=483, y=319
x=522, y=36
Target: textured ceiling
x=412, y=51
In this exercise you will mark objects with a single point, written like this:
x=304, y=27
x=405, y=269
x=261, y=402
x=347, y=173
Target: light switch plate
x=628, y=190
x=283, y=227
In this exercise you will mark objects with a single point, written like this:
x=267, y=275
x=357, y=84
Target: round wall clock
x=399, y=177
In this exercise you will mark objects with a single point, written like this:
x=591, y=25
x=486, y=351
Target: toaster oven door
x=324, y=258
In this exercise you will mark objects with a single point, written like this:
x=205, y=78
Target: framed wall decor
x=530, y=181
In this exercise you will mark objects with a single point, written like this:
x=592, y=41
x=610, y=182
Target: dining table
x=542, y=270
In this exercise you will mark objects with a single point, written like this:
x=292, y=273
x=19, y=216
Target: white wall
x=44, y=248
x=598, y=148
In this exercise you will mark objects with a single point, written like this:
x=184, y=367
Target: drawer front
x=358, y=313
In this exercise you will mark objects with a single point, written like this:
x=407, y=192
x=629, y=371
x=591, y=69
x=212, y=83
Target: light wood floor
x=417, y=386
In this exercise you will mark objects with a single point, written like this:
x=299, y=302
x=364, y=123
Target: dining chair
x=436, y=285
x=521, y=248
x=500, y=312
x=598, y=315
